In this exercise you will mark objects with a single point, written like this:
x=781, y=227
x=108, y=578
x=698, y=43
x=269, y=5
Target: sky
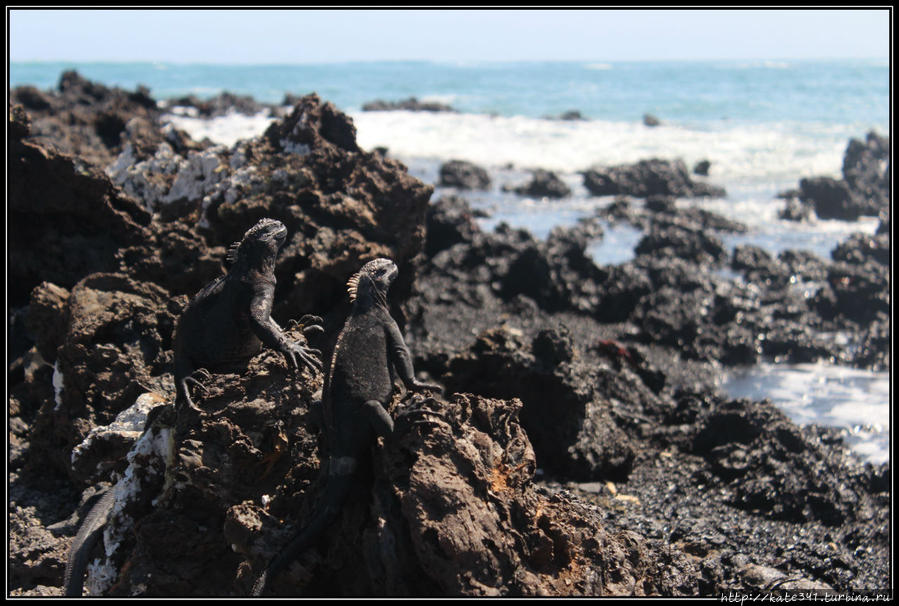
x=322, y=36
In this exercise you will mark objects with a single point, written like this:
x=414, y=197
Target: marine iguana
x=102, y=504
x=369, y=352
x=229, y=320
x=90, y=530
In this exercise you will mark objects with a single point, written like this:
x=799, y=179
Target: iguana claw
x=309, y=325
x=404, y=420
x=308, y=356
x=191, y=379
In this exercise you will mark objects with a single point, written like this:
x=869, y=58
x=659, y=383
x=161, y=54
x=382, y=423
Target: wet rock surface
x=701, y=168
x=222, y=104
x=863, y=190
x=463, y=175
x=571, y=115
x=674, y=292
x=411, y=104
x=646, y=178
x=543, y=184
x=580, y=447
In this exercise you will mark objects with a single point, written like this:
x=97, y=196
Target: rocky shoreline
x=580, y=446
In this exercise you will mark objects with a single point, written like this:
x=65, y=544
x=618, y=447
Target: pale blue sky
x=315, y=36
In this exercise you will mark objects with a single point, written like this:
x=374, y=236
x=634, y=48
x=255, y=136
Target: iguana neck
x=258, y=264
x=370, y=296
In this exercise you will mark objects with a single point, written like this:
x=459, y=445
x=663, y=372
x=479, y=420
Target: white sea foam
x=738, y=154
x=226, y=130
x=775, y=155
x=753, y=163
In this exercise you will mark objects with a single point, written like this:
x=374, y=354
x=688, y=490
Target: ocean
x=763, y=125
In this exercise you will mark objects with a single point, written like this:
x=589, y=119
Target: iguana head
x=260, y=244
x=370, y=284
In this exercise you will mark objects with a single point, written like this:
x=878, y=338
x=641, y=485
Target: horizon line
x=461, y=62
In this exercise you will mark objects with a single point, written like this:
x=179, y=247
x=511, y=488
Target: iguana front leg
x=271, y=334
x=402, y=359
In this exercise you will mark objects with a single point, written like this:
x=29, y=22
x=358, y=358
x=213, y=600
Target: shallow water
x=827, y=395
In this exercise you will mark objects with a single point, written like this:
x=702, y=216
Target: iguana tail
x=90, y=531
x=336, y=490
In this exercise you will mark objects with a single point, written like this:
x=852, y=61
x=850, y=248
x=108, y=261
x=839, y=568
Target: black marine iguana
x=90, y=530
x=368, y=353
x=102, y=504
x=229, y=320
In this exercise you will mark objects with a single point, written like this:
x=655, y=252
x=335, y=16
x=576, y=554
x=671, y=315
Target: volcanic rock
x=411, y=104
x=69, y=218
x=565, y=417
x=95, y=122
x=701, y=168
x=543, y=184
x=464, y=175
x=220, y=105
x=572, y=115
x=564, y=370
x=450, y=220
x=866, y=170
x=646, y=178
x=864, y=189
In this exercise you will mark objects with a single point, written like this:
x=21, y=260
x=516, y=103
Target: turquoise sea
x=701, y=94
x=763, y=125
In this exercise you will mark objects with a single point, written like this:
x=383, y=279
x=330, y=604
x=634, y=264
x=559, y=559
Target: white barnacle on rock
x=125, y=160
x=129, y=423
x=148, y=459
x=99, y=576
x=57, y=385
x=289, y=143
x=240, y=182
x=238, y=156
x=198, y=176
x=293, y=147
x=147, y=180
